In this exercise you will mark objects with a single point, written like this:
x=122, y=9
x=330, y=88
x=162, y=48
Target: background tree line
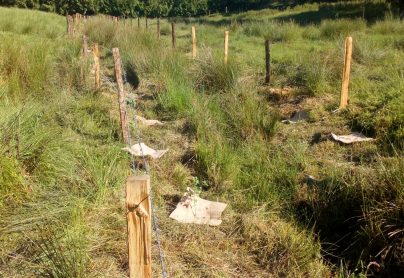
x=162, y=8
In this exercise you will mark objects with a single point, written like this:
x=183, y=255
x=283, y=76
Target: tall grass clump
x=212, y=75
x=277, y=245
x=333, y=29
x=101, y=30
x=274, y=30
x=26, y=22
x=388, y=26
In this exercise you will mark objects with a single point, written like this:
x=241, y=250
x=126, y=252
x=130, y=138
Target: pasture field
x=299, y=203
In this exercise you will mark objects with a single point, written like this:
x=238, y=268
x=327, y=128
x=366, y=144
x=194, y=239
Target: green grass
x=61, y=139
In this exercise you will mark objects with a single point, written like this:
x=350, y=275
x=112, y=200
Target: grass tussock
x=274, y=31
x=333, y=29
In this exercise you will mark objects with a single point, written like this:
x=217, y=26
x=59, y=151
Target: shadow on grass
x=371, y=12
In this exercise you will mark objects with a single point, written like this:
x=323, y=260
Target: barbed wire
x=131, y=104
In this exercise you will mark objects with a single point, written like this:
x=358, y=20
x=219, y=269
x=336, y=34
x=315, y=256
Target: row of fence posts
x=138, y=203
x=138, y=187
x=344, y=99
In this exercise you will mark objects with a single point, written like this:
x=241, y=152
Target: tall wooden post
x=68, y=24
x=158, y=28
x=96, y=54
x=84, y=47
x=139, y=226
x=138, y=22
x=193, y=42
x=226, y=10
x=121, y=95
x=267, y=62
x=346, y=73
x=226, y=45
x=173, y=39
x=147, y=24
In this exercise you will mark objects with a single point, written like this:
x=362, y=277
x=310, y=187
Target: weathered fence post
x=193, y=42
x=346, y=73
x=158, y=28
x=267, y=62
x=84, y=47
x=139, y=226
x=173, y=34
x=226, y=45
x=147, y=23
x=70, y=25
x=121, y=94
x=96, y=54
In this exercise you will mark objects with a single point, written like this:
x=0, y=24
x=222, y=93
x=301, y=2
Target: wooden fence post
x=193, y=42
x=138, y=22
x=267, y=62
x=158, y=28
x=84, y=47
x=346, y=73
x=139, y=226
x=68, y=24
x=147, y=23
x=173, y=39
x=226, y=45
x=96, y=54
x=121, y=94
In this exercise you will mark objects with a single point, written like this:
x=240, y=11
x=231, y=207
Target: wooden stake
x=346, y=73
x=147, y=24
x=267, y=62
x=121, y=95
x=96, y=54
x=68, y=24
x=139, y=226
x=173, y=39
x=85, y=47
x=138, y=22
x=193, y=42
x=226, y=45
x=158, y=28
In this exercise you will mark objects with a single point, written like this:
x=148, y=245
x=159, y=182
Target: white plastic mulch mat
x=147, y=122
x=297, y=117
x=192, y=209
x=351, y=138
x=142, y=149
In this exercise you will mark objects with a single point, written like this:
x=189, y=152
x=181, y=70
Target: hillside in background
x=300, y=204
x=175, y=8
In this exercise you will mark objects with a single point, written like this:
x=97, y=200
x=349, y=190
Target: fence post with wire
x=138, y=214
x=139, y=195
x=121, y=94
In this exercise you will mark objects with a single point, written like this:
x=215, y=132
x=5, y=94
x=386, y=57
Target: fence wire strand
x=156, y=229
